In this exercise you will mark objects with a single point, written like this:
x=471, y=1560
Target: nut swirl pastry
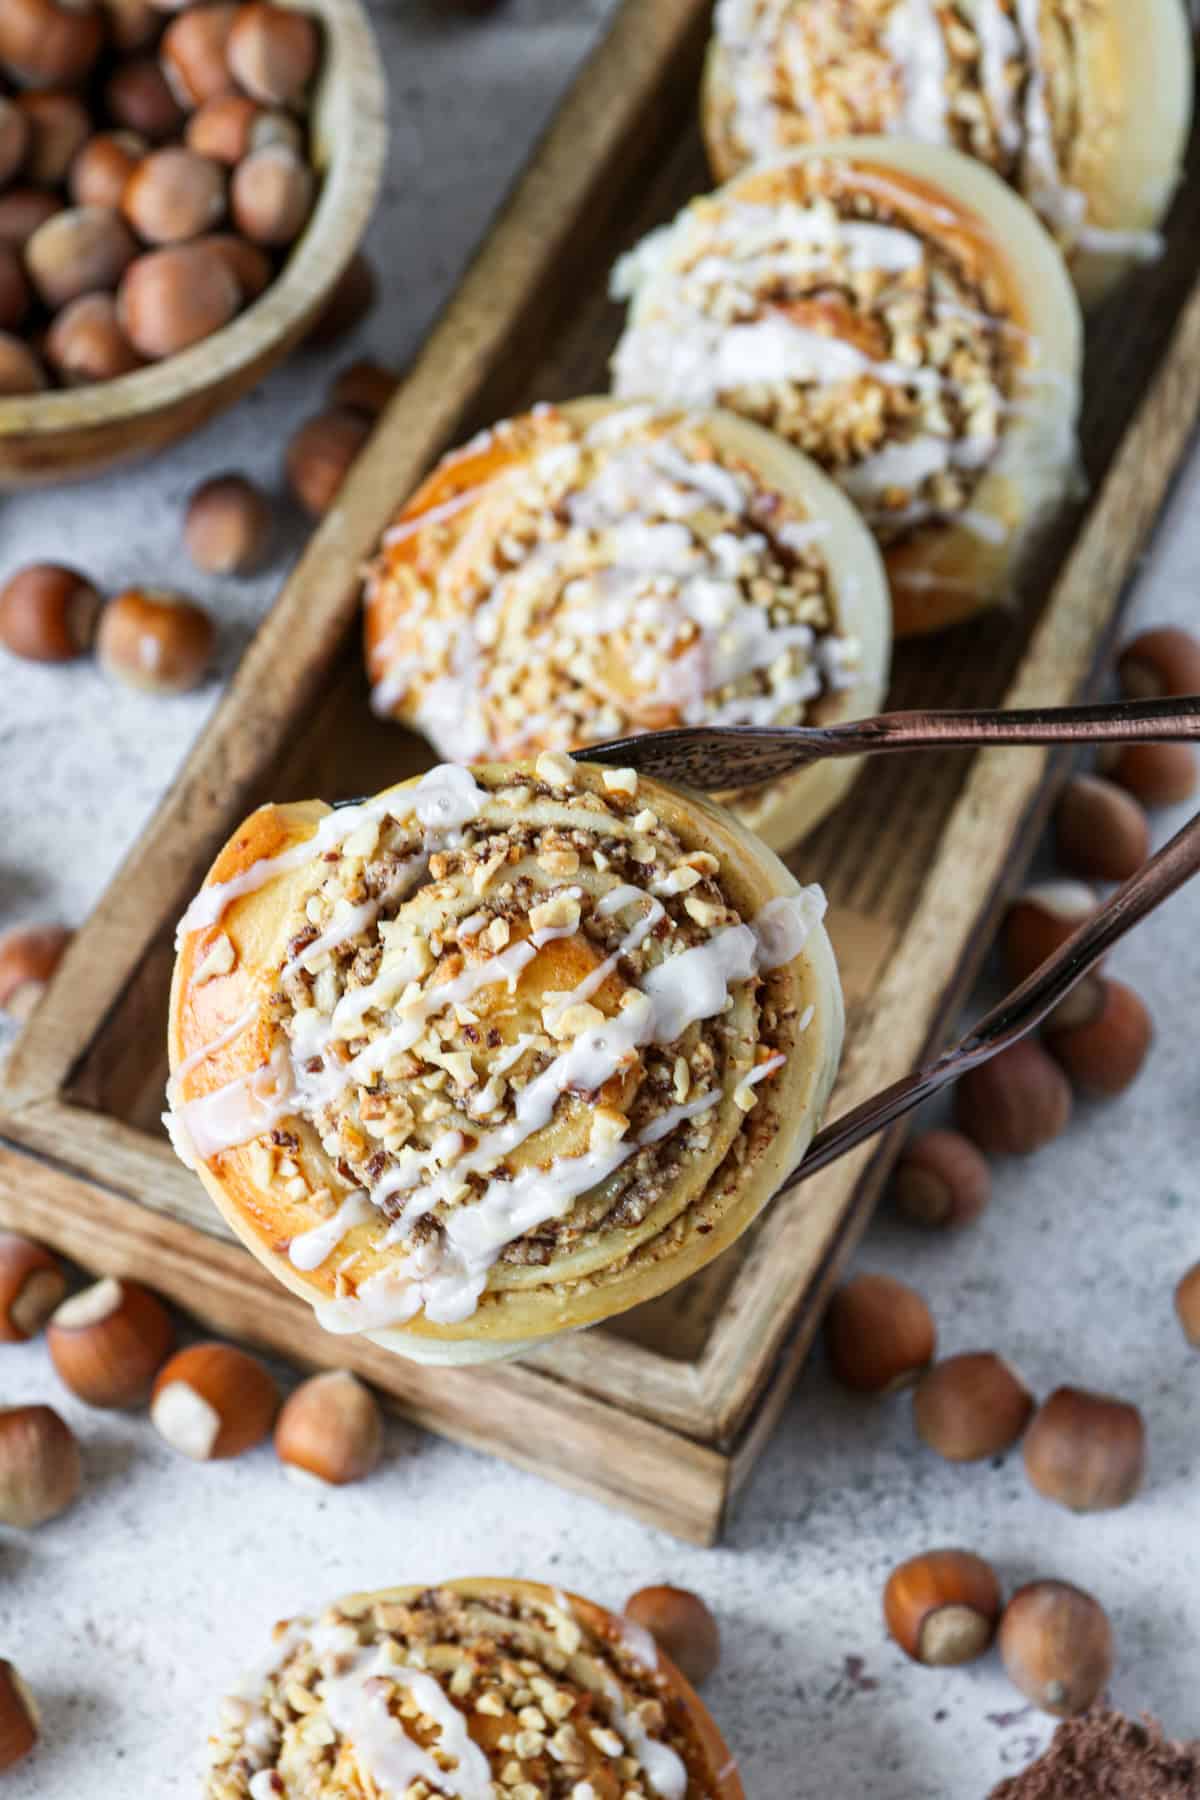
x=589, y=571
x=479, y=1689
x=500, y=1052
x=1083, y=105
x=898, y=314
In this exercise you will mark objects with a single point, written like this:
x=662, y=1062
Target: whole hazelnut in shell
x=1056, y=1645
x=85, y=343
x=155, y=640
x=172, y=298
x=85, y=250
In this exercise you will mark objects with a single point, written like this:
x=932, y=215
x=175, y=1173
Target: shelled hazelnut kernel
x=59, y=126
x=330, y=1430
x=20, y=1725
x=942, y=1607
x=352, y=298
x=1086, y=1451
x=1100, y=830
x=681, y=1625
x=31, y=1285
x=1155, y=774
x=109, y=1342
x=1160, y=663
x=271, y=195
x=155, y=640
x=213, y=1401
x=173, y=298
x=193, y=53
x=1187, y=1305
x=101, y=171
x=14, y=138
x=20, y=370
x=85, y=342
x=320, y=456
x=971, y=1406
x=941, y=1180
x=1056, y=1645
x=227, y=529
x=48, y=613
x=1016, y=1102
x=273, y=52
x=223, y=128
x=40, y=1469
x=22, y=210
x=15, y=297
x=45, y=43
x=249, y=266
x=29, y=955
x=84, y=250
x=1103, y=1051
x=138, y=96
x=879, y=1334
x=367, y=387
x=174, y=195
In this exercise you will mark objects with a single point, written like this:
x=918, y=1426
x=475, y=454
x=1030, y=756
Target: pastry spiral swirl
x=589, y=571
x=898, y=314
x=1082, y=105
x=472, y=1689
x=499, y=1052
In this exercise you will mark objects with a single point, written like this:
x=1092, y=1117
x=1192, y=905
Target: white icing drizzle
x=309, y=1249
x=1063, y=207
x=389, y=1758
x=433, y=515
x=749, y=33
x=999, y=45
x=913, y=37
x=444, y=798
x=638, y=1642
x=663, y=1767
x=238, y=1111
x=351, y=922
x=242, y=1023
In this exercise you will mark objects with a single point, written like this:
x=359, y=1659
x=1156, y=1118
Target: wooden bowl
x=66, y=434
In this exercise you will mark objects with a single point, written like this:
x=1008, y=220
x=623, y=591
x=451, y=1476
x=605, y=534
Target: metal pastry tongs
x=716, y=758
x=724, y=757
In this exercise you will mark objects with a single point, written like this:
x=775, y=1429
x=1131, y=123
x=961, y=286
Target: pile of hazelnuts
x=154, y=171
x=113, y=1346
x=1084, y=1450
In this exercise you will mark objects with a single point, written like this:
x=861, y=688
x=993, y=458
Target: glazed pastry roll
x=473, y=1689
x=590, y=571
x=898, y=314
x=500, y=1052
x=1083, y=105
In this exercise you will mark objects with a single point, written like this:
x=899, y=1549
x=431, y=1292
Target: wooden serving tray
x=665, y=1412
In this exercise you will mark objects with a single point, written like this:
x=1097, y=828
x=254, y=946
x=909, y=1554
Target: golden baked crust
x=895, y=312
x=589, y=571
x=440, y=1067
x=502, y=1686
x=1083, y=105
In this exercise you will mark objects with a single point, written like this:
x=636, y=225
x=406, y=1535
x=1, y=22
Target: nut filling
x=997, y=79
x=834, y=319
x=489, y=1695
x=615, y=577
x=528, y=1028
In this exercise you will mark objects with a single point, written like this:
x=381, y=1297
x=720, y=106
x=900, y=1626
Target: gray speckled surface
x=131, y=1614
